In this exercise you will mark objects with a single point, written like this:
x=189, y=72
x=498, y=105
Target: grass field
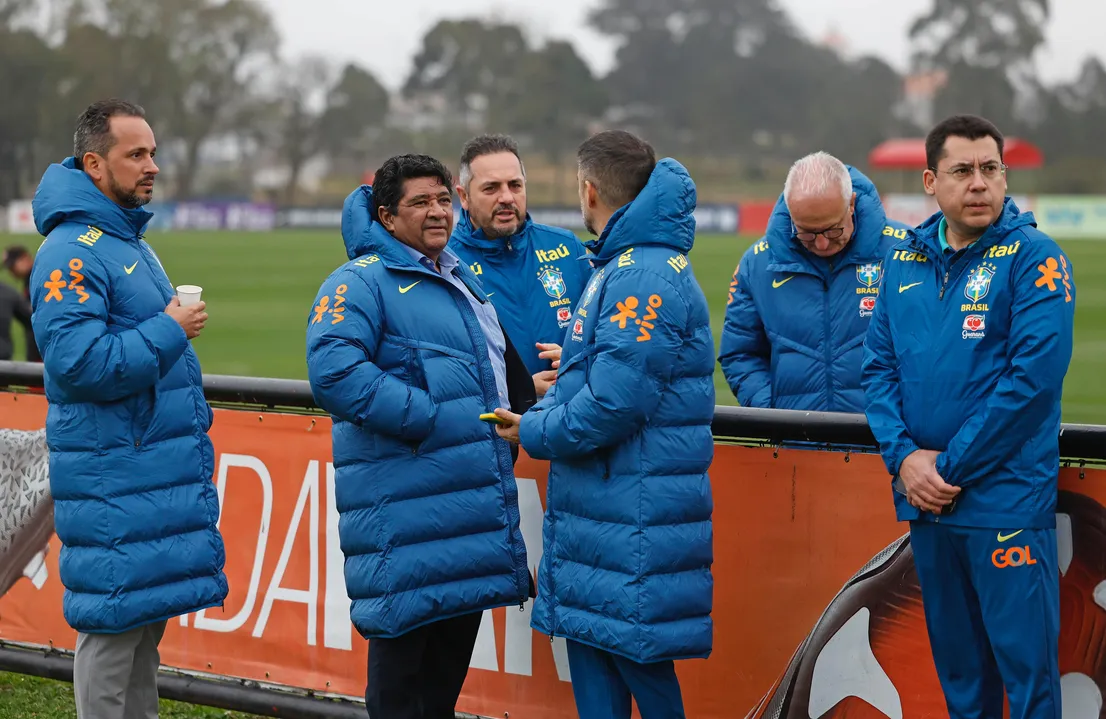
x=30, y=698
x=259, y=289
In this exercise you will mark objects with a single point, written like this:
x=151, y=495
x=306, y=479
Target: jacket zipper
x=829, y=337
x=482, y=351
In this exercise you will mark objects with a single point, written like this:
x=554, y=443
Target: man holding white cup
x=130, y=459
x=188, y=295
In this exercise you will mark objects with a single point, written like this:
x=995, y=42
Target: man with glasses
x=963, y=369
x=801, y=298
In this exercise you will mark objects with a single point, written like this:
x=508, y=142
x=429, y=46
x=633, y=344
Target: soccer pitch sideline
x=259, y=289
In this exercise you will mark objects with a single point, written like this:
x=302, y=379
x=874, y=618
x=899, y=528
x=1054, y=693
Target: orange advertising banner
x=817, y=607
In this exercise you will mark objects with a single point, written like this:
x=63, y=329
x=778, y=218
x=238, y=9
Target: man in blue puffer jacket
x=532, y=273
x=964, y=369
x=801, y=298
x=625, y=574
x=405, y=352
x=130, y=459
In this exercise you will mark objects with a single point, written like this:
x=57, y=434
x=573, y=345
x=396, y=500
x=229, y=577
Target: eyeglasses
x=989, y=170
x=830, y=233
x=833, y=233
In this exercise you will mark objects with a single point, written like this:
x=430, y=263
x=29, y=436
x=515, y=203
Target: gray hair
x=93, y=132
x=485, y=145
x=816, y=174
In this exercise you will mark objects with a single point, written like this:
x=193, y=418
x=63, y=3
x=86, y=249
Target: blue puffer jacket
x=130, y=459
x=966, y=356
x=628, y=536
x=532, y=277
x=425, y=490
x=795, y=323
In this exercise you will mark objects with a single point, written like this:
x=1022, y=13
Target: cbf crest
x=979, y=282
x=593, y=286
x=869, y=274
x=552, y=281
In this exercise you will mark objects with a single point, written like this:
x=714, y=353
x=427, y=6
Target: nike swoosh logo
x=904, y=288
x=489, y=294
x=781, y=283
x=403, y=290
x=131, y=268
x=1003, y=538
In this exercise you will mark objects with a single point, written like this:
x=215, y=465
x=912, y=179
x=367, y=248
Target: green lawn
x=259, y=288
x=30, y=698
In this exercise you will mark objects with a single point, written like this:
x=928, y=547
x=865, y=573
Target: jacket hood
x=1011, y=219
x=67, y=194
x=869, y=219
x=663, y=214
x=471, y=236
x=363, y=234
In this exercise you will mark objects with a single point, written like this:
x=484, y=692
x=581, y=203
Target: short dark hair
x=485, y=145
x=93, y=132
x=618, y=163
x=12, y=253
x=970, y=127
x=389, y=179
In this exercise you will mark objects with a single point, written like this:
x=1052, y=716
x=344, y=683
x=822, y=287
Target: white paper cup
x=189, y=294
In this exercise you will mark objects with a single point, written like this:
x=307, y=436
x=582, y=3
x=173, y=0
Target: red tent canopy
x=910, y=154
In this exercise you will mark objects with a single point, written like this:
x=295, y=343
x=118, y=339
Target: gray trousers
x=115, y=675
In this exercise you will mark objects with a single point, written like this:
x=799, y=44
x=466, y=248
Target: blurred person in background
x=406, y=353
x=625, y=574
x=532, y=273
x=131, y=463
x=963, y=370
x=802, y=297
x=19, y=261
x=13, y=307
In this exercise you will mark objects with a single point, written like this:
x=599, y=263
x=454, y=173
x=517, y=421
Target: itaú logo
x=1012, y=557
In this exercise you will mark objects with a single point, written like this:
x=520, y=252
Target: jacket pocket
x=414, y=369
x=142, y=406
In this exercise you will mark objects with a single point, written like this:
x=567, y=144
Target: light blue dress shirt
x=485, y=313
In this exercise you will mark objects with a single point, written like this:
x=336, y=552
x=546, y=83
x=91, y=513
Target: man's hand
x=508, y=431
x=925, y=488
x=543, y=381
x=550, y=352
x=192, y=318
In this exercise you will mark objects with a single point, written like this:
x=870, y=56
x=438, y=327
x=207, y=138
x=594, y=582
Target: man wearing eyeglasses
x=964, y=367
x=801, y=298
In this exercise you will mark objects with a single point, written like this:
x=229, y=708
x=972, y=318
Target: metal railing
x=1079, y=443
x=762, y=426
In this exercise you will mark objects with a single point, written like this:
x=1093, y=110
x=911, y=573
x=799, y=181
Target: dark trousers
x=419, y=675
x=992, y=608
x=603, y=683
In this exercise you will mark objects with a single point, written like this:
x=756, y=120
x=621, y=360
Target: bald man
x=801, y=298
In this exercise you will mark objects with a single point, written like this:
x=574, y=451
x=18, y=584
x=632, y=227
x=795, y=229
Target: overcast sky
x=384, y=35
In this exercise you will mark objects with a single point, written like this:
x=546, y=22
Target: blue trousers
x=602, y=684
x=992, y=609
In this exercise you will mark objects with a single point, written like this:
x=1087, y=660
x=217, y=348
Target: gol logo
x=1012, y=557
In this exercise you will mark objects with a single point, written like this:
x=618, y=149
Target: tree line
x=731, y=85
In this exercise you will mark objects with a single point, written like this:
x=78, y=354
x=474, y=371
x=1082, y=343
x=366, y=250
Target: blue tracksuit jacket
x=429, y=519
x=795, y=323
x=966, y=355
x=130, y=459
x=628, y=537
x=533, y=278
